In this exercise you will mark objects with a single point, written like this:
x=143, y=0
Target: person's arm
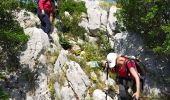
x=41, y=6
x=135, y=75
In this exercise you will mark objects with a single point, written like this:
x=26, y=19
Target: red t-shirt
x=46, y=5
x=122, y=71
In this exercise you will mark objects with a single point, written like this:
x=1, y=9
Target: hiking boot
x=50, y=39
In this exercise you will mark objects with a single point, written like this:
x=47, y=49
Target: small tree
x=151, y=18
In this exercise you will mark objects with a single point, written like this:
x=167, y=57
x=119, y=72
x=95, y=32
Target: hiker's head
x=111, y=59
x=114, y=59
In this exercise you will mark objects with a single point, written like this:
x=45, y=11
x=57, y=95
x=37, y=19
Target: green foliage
x=72, y=7
x=30, y=6
x=51, y=86
x=151, y=18
x=70, y=26
x=18, y=4
x=64, y=42
x=104, y=43
x=92, y=52
x=3, y=95
x=12, y=36
x=70, y=23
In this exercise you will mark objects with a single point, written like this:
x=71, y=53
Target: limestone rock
x=94, y=18
x=112, y=19
x=26, y=19
x=104, y=19
x=61, y=61
x=81, y=83
x=34, y=47
x=100, y=95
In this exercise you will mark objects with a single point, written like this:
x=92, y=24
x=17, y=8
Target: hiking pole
x=107, y=74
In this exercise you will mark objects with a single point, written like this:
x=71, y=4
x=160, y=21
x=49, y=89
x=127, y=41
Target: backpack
x=141, y=68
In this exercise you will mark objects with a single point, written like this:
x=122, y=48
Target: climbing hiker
x=45, y=14
x=127, y=72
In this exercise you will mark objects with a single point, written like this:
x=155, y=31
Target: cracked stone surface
x=37, y=43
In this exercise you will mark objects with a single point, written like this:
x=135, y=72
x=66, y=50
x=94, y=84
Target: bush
x=92, y=52
x=104, y=44
x=72, y=7
x=12, y=36
x=70, y=24
x=51, y=86
x=64, y=42
x=3, y=95
x=149, y=18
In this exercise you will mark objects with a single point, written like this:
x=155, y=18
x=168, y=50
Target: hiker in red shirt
x=45, y=13
x=126, y=70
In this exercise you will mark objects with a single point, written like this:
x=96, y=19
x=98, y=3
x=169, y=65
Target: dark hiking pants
x=45, y=21
x=127, y=83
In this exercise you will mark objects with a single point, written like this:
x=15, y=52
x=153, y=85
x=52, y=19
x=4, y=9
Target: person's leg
x=47, y=27
x=124, y=92
x=40, y=16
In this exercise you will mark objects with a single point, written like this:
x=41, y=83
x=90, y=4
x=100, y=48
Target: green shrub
x=51, y=86
x=70, y=26
x=104, y=44
x=150, y=19
x=12, y=36
x=72, y=7
x=92, y=52
x=64, y=42
x=3, y=95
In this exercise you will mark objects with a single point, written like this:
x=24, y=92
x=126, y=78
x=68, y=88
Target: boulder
x=61, y=61
x=100, y=95
x=104, y=18
x=37, y=43
x=94, y=18
x=26, y=19
x=79, y=84
x=112, y=19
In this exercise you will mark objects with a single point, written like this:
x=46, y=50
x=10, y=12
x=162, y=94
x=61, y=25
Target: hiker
x=45, y=14
x=126, y=71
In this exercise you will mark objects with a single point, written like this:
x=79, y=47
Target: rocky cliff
x=48, y=72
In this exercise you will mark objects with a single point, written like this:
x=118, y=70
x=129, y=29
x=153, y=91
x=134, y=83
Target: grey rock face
x=100, y=95
x=41, y=86
x=61, y=61
x=26, y=19
x=125, y=43
x=111, y=19
x=34, y=47
x=81, y=83
x=94, y=18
